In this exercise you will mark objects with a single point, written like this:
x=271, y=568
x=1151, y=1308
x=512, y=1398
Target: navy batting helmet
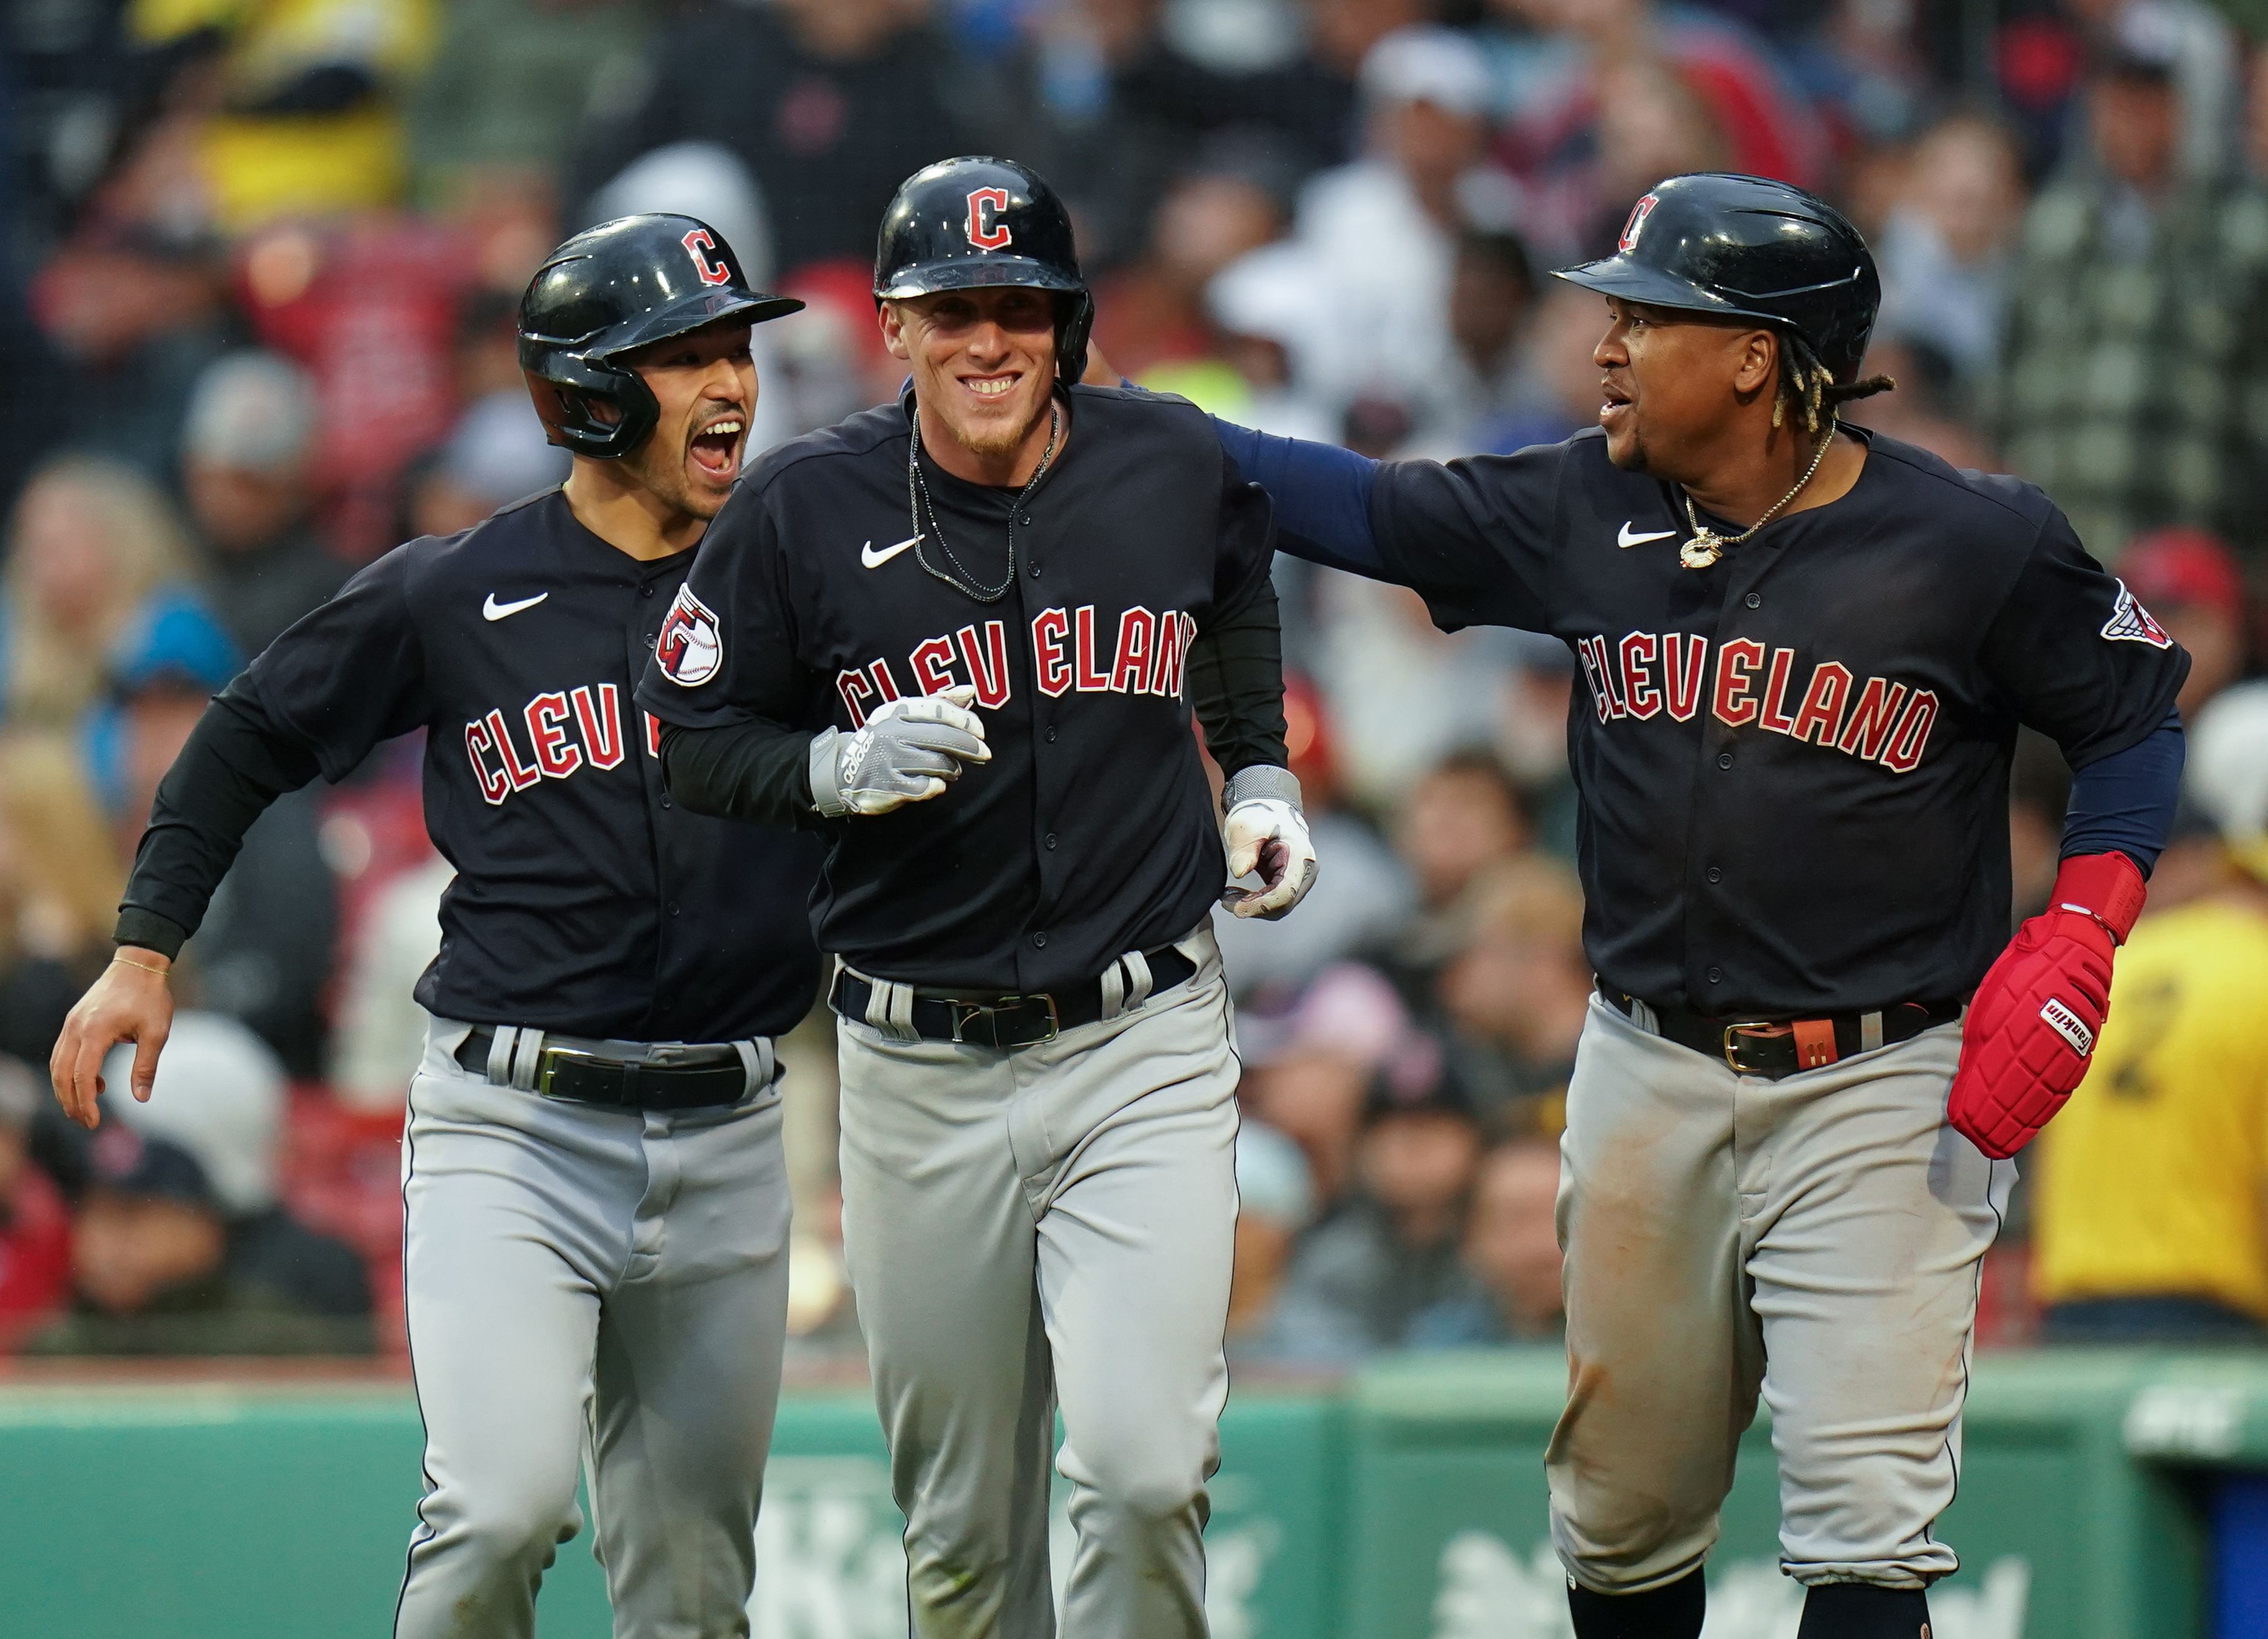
x=609, y=290
x=1748, y=247
x=964, y=223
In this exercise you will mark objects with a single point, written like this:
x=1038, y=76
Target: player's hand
x=908, y=752
x=129, y=1003
x=2029, y=1034
x=1264, y=831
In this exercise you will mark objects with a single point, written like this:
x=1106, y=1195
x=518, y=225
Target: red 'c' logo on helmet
x=986, y=231
x=1639, y=212
x=706, y=261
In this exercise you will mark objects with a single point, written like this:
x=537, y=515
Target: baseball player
x=596, y=1202
x=1807, y=649
x=959, y=635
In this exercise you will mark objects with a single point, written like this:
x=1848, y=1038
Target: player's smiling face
x=984, y=364
x=1670, y=382
x=705, y=384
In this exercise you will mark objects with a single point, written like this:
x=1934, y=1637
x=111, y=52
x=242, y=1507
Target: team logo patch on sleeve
x=691, y=646
x=2130, y=623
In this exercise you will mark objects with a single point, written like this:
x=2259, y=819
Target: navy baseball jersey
x=1794, y=764
x=586, y=901
x=1092, y=831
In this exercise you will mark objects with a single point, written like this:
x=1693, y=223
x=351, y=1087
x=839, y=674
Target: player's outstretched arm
x=1320, y=493
x=237, y=762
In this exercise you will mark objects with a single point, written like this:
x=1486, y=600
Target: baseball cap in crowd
x=123, y=1162
x=2169, y=569
x=705, y=180
x=220, y=1099
x=1429, y=64
x=498, y=452
x=2144, y=41
x=252, y=411
x=173, y=640
x=1348, y=1012
x=1440, y=1093
x=2227, y=772
x=1272, y=1178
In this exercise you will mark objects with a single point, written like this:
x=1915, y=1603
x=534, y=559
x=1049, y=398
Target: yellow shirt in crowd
x=2153, y=1179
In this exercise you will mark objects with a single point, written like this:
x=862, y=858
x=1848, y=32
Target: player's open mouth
x=1613, y=403
x=716, y=447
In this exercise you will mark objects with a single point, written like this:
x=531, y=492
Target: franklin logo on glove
x=2067, y=1026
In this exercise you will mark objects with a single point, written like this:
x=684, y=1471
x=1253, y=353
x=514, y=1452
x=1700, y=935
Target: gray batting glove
x=908, y=751
x=1265, y=831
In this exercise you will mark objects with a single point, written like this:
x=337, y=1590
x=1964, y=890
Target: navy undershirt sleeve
x=1321, y=492
x=2124, y=802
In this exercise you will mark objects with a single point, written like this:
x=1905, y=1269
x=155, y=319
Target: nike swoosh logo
x=494, y=611
x=1626, y=538
x=874, y=560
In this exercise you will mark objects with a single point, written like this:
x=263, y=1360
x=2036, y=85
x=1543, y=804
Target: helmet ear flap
x=1075, y=323
x=565, y=386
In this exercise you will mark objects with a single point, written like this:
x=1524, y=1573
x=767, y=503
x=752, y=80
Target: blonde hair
x=59, y=855
x=53, y=675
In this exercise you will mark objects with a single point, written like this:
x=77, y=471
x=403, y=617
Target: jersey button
x=1024, y=521
x=646, y=591
x=1041, y=940
x=665, y=803
x=1724, y=758
x=1715, y=875
x=1716, y=975
x=1051, y=840
x=1756, y=600
x=1052, y=737
x=1035, y=571
x=672, y=908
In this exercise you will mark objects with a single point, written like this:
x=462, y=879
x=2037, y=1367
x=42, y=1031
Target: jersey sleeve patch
x=2130, y=623
x=691, y=648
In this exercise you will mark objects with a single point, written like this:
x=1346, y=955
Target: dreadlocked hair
x=1808, y=389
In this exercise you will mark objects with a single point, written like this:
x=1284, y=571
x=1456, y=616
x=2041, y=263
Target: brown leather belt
x=1774, y=1047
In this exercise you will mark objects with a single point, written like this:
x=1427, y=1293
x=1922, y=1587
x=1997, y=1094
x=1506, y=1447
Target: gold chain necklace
x=1707, y=546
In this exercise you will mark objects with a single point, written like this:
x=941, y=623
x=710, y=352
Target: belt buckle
x=549, y=1061
x=964, y=1012
x=1734, y=1034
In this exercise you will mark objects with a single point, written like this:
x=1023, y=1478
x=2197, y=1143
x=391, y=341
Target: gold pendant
x=1704, y=549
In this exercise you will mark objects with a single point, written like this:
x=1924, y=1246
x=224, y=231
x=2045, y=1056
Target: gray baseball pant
x=579, y=1277
x=1820, y=1237
x=1050, y=1224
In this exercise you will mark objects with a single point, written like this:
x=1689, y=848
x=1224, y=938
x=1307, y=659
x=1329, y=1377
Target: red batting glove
x=2031, y=1032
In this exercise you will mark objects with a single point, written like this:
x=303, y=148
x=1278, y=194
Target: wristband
x=2108, y=887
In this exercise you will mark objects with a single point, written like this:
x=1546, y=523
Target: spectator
x=1310, y=1063
x=2207, y=69
x=1945, y=251
x=495, y=455
x=1511, y=1291
x=2130, y=388
x=1489, y=394
x=1228, y=205
x=1356, y=910
x=264, y=953
x=1382, y=232
x=830, y=104
x=94, y=547
x=59, y=888
x=2189, y=580
x=1518, y=991
x=301, y=110
x=247, y=459
x=1925, y=410
x=1275, y=1203
x=1268, y=313
x=2148, y=1215
x=513, y=77
x=35, y=1268
x=220, y=1096
x=380, y=1034
x=1464, y=817
x=1362, y=1275
x=150, y=1266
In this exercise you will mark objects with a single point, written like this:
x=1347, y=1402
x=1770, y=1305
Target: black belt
x=1774, y=1047
x=670, y=1077
x=1006, y=1021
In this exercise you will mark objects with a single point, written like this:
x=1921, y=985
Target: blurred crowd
x=257, y=282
